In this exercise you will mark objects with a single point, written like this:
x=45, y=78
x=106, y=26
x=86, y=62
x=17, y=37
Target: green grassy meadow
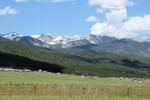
x=67, y=87
x=51, y=78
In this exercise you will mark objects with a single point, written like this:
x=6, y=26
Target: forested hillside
x=89, y=62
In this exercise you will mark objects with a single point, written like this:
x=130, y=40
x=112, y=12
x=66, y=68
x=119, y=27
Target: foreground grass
x=43, y=83
x=72, y=98
x=50, y=78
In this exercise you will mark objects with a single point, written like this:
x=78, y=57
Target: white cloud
x=116, y=16
x=117, y=22
x=104, y=29
x=135, y=26
x=99, y=10
x=116, y=9
x=91, y=19
x=110, y=4
x=8, y=11
x=131, y=3
x=138, y=24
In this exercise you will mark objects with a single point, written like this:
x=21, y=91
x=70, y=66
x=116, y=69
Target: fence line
x=55, y=89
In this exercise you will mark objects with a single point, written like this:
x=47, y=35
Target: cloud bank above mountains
x=117, y=21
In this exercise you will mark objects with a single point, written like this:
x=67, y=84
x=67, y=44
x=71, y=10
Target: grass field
x=72, y=98
x=50, y=86
x=50, y=78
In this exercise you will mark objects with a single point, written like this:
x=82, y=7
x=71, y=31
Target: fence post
x=128, y=91
x=34, y=89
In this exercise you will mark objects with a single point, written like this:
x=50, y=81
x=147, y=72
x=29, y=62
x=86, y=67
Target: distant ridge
x=129, y=46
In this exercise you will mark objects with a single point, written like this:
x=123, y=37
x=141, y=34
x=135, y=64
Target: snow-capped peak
x=95, y=39
x=11, y=35
x=56, y=36
x=78, y=37
x=35, y=36
x=58, y=40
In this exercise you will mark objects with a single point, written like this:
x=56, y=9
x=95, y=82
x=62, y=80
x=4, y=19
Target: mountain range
x=53, y=40
x=20, y=55
x=129, y=46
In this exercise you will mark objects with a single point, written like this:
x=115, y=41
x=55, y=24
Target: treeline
x=19, y=62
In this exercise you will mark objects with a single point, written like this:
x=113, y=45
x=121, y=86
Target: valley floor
x=50, y=86
x=57, y=78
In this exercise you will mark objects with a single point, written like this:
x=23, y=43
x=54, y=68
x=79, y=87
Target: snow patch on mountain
x=11, y=36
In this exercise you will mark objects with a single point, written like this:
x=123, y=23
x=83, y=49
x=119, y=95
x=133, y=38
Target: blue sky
x=73, y=17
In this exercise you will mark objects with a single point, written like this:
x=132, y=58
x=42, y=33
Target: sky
x=117, y=18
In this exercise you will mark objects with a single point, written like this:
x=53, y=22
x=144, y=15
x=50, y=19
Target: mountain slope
x=125, y=46
x=30, y=40
x=11, y=36
x=139, y=47
x=118, y=46
x=19, y=62
x=85, y=63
